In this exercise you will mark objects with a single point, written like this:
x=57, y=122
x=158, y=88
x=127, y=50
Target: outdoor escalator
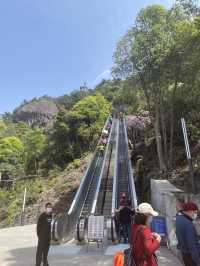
x=66, y=226
x=123, y=177
x=104, y=201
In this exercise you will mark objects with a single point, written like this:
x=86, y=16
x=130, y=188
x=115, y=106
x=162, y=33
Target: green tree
x=11, y=156
x=11, y=150
x=76, y=131
x=34, y=145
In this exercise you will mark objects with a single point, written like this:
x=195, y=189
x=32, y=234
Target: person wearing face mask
x=143, y=240
x=44, y=235
x=187, y=235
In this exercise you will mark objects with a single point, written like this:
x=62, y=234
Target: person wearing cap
x=144, y=241
x=187, y=235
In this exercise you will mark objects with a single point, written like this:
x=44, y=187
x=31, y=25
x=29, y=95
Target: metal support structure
x=23, y=208
x=188, y=154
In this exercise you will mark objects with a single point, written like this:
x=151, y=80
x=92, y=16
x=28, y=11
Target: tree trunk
x=36, y=167
x=171, y=139
x=176, y=78
x=164, y=135
x=158, y=140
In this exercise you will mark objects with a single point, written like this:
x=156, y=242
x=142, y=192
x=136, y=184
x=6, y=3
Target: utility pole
x=188, y=154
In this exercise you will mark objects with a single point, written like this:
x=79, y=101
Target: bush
x=13, y=210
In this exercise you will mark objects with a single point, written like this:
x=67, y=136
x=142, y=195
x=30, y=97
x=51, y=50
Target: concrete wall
x=164, y=198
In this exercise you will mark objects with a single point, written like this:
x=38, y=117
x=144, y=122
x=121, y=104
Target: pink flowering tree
x=137, y=125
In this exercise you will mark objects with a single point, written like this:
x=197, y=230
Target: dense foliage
x=161, y=54
x=76, y=131
x=33, y=149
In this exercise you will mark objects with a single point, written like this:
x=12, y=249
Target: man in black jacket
x=44, y=235
x=125, y=219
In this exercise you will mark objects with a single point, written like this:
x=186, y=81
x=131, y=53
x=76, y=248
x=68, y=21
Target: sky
x=50, y=47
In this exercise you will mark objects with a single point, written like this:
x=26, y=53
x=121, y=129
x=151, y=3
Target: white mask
x=194, y=216
x=49, y=210
x=150, y=219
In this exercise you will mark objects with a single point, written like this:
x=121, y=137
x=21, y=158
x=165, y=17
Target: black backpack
x=128, y=257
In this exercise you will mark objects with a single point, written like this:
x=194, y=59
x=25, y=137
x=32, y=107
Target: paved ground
x=17, y=248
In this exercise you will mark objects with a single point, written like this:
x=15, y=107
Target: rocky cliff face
x=36, y=112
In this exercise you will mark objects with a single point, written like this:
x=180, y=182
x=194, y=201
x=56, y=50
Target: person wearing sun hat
x=144, y=241
x=186, y=234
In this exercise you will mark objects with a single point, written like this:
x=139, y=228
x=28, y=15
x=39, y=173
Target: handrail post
x=23, y=208
x=188, y=154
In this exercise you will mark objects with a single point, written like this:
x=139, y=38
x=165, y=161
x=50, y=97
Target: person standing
x=101, y=149
x=187, y=236
x=125, y=220
x=122, y=200
x=44, y=235
x=144, y=241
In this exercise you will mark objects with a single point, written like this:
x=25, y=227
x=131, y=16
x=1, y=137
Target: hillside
x=40, y=156
x=58, y=188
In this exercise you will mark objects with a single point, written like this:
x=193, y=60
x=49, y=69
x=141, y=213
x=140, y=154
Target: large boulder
x=36, y=112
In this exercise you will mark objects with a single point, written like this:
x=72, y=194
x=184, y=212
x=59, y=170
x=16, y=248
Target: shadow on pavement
x=26, y=257
x=64, y=257
x=20, y=257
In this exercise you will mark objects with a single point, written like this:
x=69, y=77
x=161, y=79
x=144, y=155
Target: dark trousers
x=126, y=228
x=188, y=259
x=42, y=252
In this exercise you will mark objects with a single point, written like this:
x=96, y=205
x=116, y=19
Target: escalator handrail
x=78, y=193
x=131, y=178
x=114, y=192
x=101, y=173
x=89, y=186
